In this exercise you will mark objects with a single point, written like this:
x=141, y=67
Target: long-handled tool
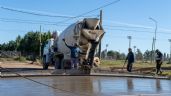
x=124, y=65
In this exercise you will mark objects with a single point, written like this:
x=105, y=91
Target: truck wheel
x=45, y=65
x=96, y=62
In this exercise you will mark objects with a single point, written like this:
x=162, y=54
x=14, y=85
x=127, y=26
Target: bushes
x=21, y=59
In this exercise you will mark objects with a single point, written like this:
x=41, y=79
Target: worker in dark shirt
x=159, y=59
x=130, y=58
x=75, y=50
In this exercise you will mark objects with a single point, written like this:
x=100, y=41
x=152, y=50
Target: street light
x=106, y=51
x=154, y=39
x=40, y=49
x=106, y=46
x=129, y=37
x=134, y=48
x=170, y=51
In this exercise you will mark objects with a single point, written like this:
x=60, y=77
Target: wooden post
x=99, y=53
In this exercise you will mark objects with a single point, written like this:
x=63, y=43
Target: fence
x=9, y=54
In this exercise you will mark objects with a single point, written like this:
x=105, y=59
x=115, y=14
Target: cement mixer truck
x=87, y=33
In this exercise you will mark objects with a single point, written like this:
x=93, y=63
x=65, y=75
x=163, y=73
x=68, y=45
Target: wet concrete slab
x=32, y=72
x=77, y=72
x=84, y=86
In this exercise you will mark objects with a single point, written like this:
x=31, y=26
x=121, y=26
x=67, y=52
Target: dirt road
x=21, y=65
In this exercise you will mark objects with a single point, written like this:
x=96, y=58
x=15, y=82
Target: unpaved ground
x=26, y=66
x=21, y=65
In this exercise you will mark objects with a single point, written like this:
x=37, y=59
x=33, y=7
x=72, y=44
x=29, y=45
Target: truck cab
x=48, y=53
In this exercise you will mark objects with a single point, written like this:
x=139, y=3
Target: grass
x=6, y=59
x=168, y=73
x=20, y=59
x=137, y=64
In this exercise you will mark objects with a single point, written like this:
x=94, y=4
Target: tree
x=0, y=47
x=3, y=46
x=122, y=56
x=115, y=55
x=29, y=44
x=110, y=53
x=147, y=55
x=139, y=55
x=11, y=45
x=164, y=57
x=18, y=41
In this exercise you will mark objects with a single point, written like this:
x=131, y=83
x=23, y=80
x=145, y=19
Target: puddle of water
x=84, y=86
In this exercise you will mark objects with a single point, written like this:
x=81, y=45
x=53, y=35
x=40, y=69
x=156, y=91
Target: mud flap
x=45, y=64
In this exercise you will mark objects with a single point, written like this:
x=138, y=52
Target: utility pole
x=129, y=37
x=154, y=39
x=152, y=52
x=106, y=51
x=134, y=53
x=170, y=51
x=40, y=51
x=99, y=53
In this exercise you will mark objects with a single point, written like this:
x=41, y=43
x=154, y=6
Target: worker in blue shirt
x=75, y=51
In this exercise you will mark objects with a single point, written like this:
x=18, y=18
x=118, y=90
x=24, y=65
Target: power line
x=134, y=25
x=67, y=24
x=24, y=22
x=140, y=31
x=136, y=38
x=12, y=30
x=128, y=24
x=122, y=29
x=34, y=13
x=29, y=22
x=14, y=19
x=125, y=26
x=103, y=6
x=37, y=14
x=70, y=18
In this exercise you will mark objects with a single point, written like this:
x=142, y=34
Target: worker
x=75, y=50
x=130, y=58
x=159, y=59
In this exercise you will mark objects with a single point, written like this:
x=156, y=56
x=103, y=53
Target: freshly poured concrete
x=84, y=86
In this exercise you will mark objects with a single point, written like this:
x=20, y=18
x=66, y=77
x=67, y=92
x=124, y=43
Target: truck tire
x=96, y=62
x=45, y=65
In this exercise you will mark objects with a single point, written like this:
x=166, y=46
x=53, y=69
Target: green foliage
x=18, y=41
x=29, y=44
x=10, y=46
x=168, y=73
x=110, y=53
x=116, y=55
x=139, y=55
x=137, y=64
x=21, y=59
x=147, y=55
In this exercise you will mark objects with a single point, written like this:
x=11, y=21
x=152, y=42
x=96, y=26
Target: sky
x=122, y=19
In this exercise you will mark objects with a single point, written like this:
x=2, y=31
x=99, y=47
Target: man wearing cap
x=159, y=58
x=75, y=50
